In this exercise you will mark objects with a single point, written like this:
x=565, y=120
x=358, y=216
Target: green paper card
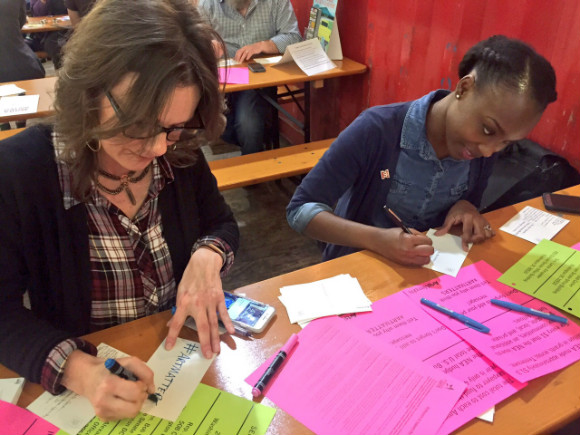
x=549, y=272
x=209, y=411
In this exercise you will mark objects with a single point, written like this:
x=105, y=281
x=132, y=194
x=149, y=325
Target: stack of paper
x=341, y=294
x=11, y=89
x=10, y=389
x=534, y=225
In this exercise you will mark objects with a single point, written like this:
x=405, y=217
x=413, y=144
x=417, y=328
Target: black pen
x=274, y=366
x=396, y=219
x=117, y=369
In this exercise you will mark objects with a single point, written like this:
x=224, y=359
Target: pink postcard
x=234, y=76
x=398, y=321
x=338, y=381
x=16, y=421
x=524, y=346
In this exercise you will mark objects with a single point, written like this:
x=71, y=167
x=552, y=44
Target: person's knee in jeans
x=251, y=112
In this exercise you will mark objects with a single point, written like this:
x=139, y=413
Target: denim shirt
x=424, y=188
x=384, y=157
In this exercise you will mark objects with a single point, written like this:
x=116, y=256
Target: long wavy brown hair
x=167, y=44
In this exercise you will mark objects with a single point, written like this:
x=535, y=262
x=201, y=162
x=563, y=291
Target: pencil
x=396, y=219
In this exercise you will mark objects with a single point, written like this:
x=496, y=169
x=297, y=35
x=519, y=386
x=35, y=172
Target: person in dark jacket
x=17, y=60
x=51, y=42
x=427, y=160
x=112, y=213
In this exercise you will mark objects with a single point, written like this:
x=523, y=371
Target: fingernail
x=169, y=344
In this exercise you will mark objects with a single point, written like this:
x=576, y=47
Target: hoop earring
x=95, y=150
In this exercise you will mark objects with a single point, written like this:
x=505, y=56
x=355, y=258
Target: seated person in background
x=428, y=160
x=77, y=9
x=113, y=214
x=250, y=28
x=17, y=60
x=51, y=42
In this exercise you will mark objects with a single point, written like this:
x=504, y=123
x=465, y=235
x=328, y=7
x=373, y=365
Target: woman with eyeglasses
x=111, y=213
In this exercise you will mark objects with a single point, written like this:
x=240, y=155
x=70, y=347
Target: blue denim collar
x=414, y=133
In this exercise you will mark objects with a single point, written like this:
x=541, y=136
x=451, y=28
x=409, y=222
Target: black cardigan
x=44, y=248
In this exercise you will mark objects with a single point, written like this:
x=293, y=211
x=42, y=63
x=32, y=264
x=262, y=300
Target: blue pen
x=463, y=319
x=239, y=330
x=526, y=310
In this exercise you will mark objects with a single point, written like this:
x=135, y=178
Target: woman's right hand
x=406, y=249
x=392, y=243
x=112, y=397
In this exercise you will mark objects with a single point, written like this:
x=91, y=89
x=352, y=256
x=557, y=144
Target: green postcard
x=549, y=272
x=209, y=411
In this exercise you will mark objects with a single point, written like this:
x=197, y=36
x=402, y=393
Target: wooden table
x=45, y=89
x=47, y=24
x=274, y=76
x=546, y=404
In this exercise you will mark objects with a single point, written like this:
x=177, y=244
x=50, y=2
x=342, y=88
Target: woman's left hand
x=476, y=228
x=200, y=295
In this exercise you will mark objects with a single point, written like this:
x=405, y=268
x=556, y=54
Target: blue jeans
x=247, y=118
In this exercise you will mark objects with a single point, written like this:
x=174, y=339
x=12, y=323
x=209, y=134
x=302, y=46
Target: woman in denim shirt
x=428, y=160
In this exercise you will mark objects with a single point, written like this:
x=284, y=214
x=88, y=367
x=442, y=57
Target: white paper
x=488, y=415
x=267, y=60
x=18, y=105
x=309, y=56
x=11, y=89
x=10, y=389
x=340, y=294
x=178, y=372
x=449, y=255
x=68, y=410
x=534, y=225
x=227, y=62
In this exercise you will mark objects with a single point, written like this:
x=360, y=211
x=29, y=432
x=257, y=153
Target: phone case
x=265, y=320
x=256, y=67
x=551, y=203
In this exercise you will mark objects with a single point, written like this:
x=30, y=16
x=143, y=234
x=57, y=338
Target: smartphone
x=565, y=203
x=248, y=313
x=256, y=67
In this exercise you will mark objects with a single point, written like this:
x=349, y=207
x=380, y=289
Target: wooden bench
x=7, y=133
x=268, y=165
x=259, y=167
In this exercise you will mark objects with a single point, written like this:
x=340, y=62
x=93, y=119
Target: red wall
x=414, y=46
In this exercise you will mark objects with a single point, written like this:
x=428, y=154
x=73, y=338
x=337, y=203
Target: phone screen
x=244, y=310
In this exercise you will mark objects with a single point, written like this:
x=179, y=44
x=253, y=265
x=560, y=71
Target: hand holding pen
x=407, y=247
x=113, y=366
x=112, y=397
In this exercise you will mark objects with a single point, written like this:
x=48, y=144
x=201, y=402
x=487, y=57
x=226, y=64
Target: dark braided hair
x=512, y=63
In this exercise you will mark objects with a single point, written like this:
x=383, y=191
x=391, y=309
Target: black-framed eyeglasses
x=190, y=130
